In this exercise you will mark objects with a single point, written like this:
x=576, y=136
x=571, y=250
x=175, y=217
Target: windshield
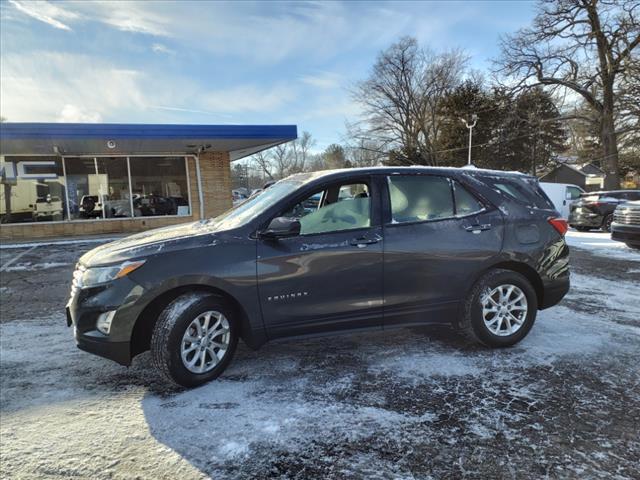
x=254, y=206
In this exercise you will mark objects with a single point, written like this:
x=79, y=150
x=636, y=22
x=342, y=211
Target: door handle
x=364, y=241
x=478, y=228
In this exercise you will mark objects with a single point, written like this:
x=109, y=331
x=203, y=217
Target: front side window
x=337, y=208
x=416, y=198
x=573, y=193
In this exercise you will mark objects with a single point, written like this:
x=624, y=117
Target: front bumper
x=84, y=307
x=626, y=233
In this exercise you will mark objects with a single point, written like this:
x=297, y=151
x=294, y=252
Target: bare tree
x=583, y=46
x=401, y=99
x=286, y=158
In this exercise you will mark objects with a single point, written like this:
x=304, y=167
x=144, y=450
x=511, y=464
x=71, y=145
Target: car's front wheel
x=499, y=310
x=606, y=223
x=194, y=339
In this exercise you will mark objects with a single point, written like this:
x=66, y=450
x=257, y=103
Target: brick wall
x=215, y=173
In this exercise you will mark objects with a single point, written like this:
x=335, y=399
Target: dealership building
x=64, y=179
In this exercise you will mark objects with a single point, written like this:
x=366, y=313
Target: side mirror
x=282, y=227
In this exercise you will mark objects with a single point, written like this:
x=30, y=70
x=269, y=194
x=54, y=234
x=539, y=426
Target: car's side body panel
x=408, y=274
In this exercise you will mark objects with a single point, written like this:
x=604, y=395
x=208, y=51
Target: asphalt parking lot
x=418, y=403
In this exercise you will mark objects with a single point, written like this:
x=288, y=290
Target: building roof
x=139, y=139
x=587, y=170
x=591, y=169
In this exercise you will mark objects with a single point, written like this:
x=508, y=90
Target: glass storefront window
x=32, y=189
x=98, y=187
x=35, y=188
x=159, y=186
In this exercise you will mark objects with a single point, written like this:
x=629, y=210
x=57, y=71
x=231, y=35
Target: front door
x=330, y=276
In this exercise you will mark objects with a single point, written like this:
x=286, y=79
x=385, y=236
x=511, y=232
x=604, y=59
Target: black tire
x=172, y=324
x=635, y=246
x=583, y=229
x=471, y=324
x=606, y=223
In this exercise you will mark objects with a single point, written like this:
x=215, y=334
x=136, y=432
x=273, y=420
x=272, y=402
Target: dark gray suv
x=340, y=250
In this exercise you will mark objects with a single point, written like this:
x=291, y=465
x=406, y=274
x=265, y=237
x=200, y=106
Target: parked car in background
x=626, y=224
x=595, y=209
x=322, y=252
x=153, y=205
x=91, y=206
x=47, y=208
x=562, y=195
x=238, y=196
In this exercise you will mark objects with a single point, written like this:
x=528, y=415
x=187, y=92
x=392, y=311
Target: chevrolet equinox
x=329, y=251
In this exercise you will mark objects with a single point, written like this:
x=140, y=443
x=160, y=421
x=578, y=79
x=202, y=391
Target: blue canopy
x=139, y=139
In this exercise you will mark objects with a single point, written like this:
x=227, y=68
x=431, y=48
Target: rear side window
x=416, y=198
x=523, y=190
x=466, y=204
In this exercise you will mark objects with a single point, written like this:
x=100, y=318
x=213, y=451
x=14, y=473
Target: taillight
x=560, y=224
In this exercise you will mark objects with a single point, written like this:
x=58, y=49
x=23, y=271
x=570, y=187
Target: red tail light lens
x=560, y=224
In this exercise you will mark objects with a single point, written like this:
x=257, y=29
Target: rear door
x=330, y=276
x=438, y=235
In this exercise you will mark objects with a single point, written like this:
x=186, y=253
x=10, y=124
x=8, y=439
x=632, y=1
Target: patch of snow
x=600, y=243
x=45, y=243
x=38, y=266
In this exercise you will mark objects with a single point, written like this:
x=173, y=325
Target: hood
x=151, y=242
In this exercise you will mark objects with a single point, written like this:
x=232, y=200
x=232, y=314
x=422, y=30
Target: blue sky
x=215, y=62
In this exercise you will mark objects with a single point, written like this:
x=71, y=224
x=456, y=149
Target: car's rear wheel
x=499, y=310
x=194, y=339
x=583, y=229
x=606, y=223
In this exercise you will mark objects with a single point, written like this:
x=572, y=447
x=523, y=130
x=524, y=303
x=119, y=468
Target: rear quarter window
x=523, y=190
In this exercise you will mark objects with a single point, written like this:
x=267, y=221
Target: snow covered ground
x=418, y=403
x=600, y=243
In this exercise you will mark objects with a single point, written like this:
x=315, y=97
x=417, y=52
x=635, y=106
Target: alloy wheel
x=504, y=309
x=205, y=342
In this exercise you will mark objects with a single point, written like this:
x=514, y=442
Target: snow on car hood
x=176, y=237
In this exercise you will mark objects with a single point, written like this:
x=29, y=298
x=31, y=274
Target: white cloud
x=137, y=17
x=162, y=49
x=46, y=86
x=74, y=114
x=46, y=12
x=323, y=80
x=249, y=98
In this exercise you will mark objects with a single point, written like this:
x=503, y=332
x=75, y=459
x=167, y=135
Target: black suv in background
x=595, y=209
x=330, y=251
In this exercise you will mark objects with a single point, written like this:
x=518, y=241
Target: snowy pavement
x=415, y=403
x=600, y=243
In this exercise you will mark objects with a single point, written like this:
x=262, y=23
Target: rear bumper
x=554, y=291
x=585, y=219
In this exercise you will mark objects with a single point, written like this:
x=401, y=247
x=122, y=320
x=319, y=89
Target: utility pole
x=474, y=118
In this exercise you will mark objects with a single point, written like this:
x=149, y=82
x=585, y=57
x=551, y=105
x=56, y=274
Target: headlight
x=99, y=275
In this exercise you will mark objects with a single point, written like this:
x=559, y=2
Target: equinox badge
x=287, y=296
